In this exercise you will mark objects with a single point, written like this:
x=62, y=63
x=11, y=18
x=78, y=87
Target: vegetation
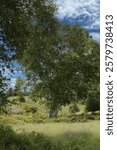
x=66, y=57
x=3, y=102
x=21, y=98
x=57, y=140
x=93, y=100
x=68, y=70
x=61, y=63
x=73, y=108
x=17, y=27
x=29, y=117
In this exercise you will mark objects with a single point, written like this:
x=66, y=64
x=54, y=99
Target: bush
x=32, y=109
x=37, y=118
x=93, y=101
x=92, y=104
x=73, y=108
x=77, y=118
x=21, y=98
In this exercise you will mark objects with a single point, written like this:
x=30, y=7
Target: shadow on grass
x=10, y=140
x=77, y=141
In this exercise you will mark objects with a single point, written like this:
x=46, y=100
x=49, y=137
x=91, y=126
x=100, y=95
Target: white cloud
x=86, y=11
x=95, y=24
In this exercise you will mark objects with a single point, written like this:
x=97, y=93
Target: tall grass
x=55, y=129
x=28, y=133
x=68, y=136
x=55, y=136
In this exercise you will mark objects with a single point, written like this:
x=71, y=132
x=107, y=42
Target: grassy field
x=57, y=136
x=76, y=136
x=55, y=129
x=60, y=135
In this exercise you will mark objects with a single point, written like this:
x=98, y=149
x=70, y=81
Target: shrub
x=73, y=108
x=21, y=98
x=37, y=117
x=93, y=99
x=31, y=109
x=92, y=103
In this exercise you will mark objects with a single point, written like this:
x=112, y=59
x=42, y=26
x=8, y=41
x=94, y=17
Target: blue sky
x=84, y=12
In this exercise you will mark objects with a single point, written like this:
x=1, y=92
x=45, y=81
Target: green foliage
x=32, y=109
x=30, y=112
x=38, y=117
x=7, y=135
x=93, y=100
x=34, y=96
x=13, y=33
x=21, y=22
x=3, y=87
x=92, y=103
x=66, y=57
x=73, y=108
x=21, y=98
x=10, y=92
x=67, y=67
x=4, y=103
x=11, y=140
x=77, y=118
x=19, y=86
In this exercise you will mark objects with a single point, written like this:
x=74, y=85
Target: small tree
x=73, y=108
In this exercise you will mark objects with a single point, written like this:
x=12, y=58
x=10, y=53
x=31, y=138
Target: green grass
x=73, y=136
x=59, y=135
x=55, y=129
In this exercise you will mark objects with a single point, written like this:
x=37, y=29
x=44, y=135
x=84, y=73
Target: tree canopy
x=18, y=23
x=18, y=19
x=65, y=68
x=61, y=61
